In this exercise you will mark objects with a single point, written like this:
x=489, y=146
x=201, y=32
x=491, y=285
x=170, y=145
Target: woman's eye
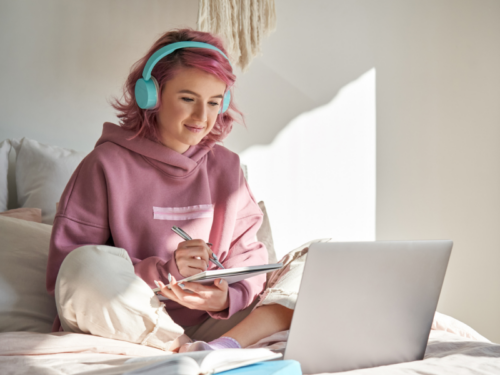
x=213, y=104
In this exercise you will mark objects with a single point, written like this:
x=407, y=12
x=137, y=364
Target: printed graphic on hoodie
x=184, y=213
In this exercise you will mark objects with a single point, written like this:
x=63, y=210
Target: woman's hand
x=204, y=297
x=191, y=257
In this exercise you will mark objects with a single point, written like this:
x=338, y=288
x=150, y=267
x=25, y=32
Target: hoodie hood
x=164, y=158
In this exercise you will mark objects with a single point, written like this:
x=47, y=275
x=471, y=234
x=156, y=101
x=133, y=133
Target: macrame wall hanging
x=241, y=23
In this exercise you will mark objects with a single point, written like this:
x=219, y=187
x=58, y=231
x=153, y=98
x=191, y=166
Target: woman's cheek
x=211, y=121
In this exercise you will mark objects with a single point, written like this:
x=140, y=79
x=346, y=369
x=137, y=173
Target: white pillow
x=4, y=168
x=25, y=304
x=42, y=173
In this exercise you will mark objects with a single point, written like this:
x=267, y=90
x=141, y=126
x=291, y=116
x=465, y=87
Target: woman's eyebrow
x=195, y=94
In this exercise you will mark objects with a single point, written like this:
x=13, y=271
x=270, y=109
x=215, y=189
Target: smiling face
x=190, y=103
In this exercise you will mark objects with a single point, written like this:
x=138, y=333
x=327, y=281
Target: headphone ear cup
x=226, y=101
x=146, y=93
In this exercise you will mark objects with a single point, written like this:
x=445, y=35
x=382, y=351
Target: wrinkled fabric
x=98, y=293
x=70, y=353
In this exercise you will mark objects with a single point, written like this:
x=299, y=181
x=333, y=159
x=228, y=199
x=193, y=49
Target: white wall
x=438, y=94
x=438, y=120
x=62, y=61
x=317, y=178
x=438, y=166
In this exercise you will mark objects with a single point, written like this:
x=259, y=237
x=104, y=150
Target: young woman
x=162, y=167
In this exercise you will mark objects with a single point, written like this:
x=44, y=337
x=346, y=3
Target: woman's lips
x=193, y=129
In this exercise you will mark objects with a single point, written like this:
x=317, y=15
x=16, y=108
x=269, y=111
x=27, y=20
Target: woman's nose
x=200, y=112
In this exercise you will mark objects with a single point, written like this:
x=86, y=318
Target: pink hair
x=144, y=122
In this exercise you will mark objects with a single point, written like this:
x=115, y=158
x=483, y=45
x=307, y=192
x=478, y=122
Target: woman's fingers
x=192, y=257
x=221, y=284
x=207, y=290
x=189, y=271
x=209, y=249
x=193, y=249
x=163, y=288
x=200, y=244
x=189, y=268
x=175, y=293
x=200, y=297
x=178, y=292
x=204, y=291
x=210, y=297
x=196, y=265
x=188, y=299
x=195, y=287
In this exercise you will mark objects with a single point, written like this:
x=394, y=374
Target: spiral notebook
x=231, y=275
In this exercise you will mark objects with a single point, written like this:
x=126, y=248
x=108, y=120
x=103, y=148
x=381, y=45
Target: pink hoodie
x=129, y=194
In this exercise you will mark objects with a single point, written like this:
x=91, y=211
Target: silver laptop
x=366, y=304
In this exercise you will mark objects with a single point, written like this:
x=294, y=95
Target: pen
x=187, y=237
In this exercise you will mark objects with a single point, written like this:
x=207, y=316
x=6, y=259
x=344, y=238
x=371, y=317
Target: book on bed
x=206, y=362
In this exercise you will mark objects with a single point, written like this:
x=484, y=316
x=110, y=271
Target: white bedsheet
x=454, y=348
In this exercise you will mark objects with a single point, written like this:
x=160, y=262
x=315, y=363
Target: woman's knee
x=289, y=277
x=94, y=271
x=283, y=284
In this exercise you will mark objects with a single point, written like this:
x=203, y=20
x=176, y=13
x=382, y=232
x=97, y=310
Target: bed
x=32, y=177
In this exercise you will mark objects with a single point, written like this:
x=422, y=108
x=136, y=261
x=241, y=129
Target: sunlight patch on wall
x=317, y=178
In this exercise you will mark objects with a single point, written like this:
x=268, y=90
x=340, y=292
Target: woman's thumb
x=222, y=284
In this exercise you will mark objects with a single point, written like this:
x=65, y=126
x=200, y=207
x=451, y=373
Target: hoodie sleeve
x=245, y=250
x=82, y=217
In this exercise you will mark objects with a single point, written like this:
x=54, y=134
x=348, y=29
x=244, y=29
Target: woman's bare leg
x=270, y=317
x=262, y=322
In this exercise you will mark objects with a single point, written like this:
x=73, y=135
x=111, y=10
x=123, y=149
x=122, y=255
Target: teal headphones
x=147, y=88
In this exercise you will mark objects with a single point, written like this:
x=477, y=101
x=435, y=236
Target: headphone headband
x=168, y=49
x=146, y=88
